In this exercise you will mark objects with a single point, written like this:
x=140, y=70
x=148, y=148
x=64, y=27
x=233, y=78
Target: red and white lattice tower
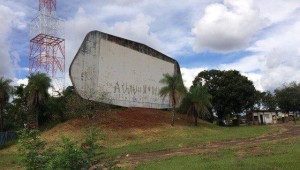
x=47, y=47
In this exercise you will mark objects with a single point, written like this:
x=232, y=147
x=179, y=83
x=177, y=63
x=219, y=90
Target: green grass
x=118, y=142
x=9, y=161
x=185, y=136
x=283, y=154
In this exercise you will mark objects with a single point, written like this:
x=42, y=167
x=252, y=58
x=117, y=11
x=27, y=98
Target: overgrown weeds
x=65, y=154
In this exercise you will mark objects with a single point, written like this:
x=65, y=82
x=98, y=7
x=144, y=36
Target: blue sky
x=258, y=38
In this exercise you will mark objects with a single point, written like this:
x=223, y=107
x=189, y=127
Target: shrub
x=32, y=148
x=67, y=156
x=90, y=148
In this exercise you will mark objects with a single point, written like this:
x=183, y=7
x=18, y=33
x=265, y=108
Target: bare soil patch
x=124, y=118
x=117, y=119
x=132, y=118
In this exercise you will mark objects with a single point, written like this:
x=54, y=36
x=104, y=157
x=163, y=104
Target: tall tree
x=232, y=93
x=264, y=100
x=5, y=89
x=173, y=88
x=37, y=93
x=17, y=108
x=258, y=100
x=269, y=101
x=199, y=102
x=288, y=97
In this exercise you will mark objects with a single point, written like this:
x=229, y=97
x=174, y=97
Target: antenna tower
x=47, y=47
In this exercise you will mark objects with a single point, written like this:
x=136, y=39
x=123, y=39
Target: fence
x=7, y=136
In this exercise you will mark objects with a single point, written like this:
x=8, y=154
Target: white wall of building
x=267, y=117
x=107, y=72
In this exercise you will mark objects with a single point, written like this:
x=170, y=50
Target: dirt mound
x=118, y=119
x=136, y=118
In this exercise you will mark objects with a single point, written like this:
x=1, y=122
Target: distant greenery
x=231, y=93
x=272, y=155
x=288, y=97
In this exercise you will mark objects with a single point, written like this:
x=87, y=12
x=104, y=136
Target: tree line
x=32, y=106
x=214, y=92
x=226, y=94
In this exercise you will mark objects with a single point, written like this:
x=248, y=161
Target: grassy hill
x=135, y=130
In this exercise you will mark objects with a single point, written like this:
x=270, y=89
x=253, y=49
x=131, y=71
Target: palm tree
x=173, y=88
x=37, y=93
x=199, y=101
x=5, y=90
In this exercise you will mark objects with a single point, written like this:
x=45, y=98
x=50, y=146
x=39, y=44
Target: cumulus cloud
x=10, y=19
x=246, y=64
x=266, y=30
x=6, y=18
x=277, y=10
x=256, y=79
x=227, y=27
x=125, y=2
x=137, y=29
x=21, y=81
x=189, y=74
x=281, y=56
x=276, y=58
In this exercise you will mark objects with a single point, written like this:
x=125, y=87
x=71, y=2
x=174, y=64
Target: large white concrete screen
x=114, y=70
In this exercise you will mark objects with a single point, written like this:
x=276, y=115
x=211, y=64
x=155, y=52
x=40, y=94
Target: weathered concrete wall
x=113, y=70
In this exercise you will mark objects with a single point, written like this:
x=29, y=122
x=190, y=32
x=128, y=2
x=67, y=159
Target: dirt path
x=290, y=131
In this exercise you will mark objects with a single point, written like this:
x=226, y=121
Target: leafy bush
x=90, y=148
x=65, y=155
x=68, y=156
x=32, y=148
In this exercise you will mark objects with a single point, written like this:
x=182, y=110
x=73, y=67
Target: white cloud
x=9, y=60
x=281, y=56
x=277, y=10
x=22, y=81
x=249, y=66
x=137, y=29
x=127, y=2
x=227, y=27
x=189, y=74
x=246, y=64
x=275, y=57
x=6, y=18
x=256, y=79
